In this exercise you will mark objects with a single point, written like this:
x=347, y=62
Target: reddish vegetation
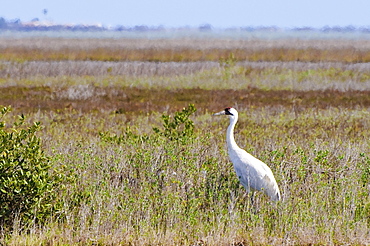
x=134, y=100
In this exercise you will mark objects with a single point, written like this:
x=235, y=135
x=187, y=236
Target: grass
x=146, y=190
x=132, y=100
x=186, y=50
x=129, y=185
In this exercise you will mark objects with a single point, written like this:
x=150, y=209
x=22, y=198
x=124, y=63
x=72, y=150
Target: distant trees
x=36, y=25
x=3, y=23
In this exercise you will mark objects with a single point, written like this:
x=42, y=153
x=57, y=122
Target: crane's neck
x=231, y=144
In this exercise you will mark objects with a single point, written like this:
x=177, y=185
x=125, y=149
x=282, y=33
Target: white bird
x=252, y=172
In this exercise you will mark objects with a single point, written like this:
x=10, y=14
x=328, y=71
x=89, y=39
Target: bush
x=26, y=185
x=180, y=128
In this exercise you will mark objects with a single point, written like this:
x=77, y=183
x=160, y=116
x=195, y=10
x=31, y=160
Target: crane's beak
x=220, y=113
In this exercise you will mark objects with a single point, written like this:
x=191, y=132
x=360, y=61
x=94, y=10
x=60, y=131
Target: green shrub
x=180, y=128
x=26, y=185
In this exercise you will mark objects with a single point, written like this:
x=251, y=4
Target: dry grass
x=101, y=69
x=46, y=49
x=185, y=43
x=141, y=68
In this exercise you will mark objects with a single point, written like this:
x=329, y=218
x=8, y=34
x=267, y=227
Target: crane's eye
x=227, y=111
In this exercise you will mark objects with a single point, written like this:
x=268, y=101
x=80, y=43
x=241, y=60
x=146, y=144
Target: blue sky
x=177, y=13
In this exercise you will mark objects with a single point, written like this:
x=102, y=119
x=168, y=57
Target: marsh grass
x=296, y=76
x=146, y=189
x=139, y=87
x=130, y=185
x=166, y=50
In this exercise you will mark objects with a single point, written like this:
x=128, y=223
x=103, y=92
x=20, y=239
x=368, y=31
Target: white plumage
x=251, y=172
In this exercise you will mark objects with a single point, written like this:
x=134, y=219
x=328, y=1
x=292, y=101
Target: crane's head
x=228, y=111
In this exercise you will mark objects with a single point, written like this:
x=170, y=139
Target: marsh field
x=137, y=165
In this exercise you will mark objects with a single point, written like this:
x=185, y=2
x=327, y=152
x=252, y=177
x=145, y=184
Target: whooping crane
x=252, y=172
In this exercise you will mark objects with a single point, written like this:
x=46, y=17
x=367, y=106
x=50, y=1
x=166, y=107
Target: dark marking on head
x=227, y=111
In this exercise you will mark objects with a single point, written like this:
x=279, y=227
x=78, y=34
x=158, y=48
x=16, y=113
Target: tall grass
x=295, y=76
x=145, y=189
x=128, y=184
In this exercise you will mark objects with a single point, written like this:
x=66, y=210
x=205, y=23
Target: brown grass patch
x=47, y=49
x=136, y=100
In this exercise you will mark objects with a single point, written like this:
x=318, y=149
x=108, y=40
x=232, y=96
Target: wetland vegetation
x=131, y=161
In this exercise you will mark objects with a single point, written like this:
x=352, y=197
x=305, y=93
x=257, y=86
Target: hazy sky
x=176, y=13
